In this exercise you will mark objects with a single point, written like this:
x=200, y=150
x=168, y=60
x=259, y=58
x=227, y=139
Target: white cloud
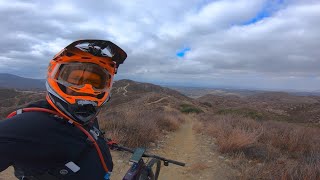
x=271, y=51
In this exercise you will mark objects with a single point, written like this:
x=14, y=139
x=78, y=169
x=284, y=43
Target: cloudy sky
x=266, y=44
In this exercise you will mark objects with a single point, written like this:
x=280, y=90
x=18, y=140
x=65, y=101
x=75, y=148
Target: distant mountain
x=127, y=96
x=312, y=93
x=17, y=82
x=282, y=98
x=197, y=92
x=278, y=106
x=225, y=101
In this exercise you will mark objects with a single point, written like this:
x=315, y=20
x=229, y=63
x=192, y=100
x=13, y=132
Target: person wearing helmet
x=59, y=138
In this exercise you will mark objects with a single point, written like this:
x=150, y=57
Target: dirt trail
x=157, y=101
x=186, y=146
x=125, y=90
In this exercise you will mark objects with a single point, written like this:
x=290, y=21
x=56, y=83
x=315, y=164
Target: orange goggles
x=79, y=75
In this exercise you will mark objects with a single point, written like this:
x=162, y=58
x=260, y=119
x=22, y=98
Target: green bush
x=188, y=108
x=207, y=104
x=249, y=113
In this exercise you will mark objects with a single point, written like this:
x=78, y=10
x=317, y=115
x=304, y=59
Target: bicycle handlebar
x=166, y=161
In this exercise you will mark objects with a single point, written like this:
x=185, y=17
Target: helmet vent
x=69, y=54
x=85, y=58
x=101, y=95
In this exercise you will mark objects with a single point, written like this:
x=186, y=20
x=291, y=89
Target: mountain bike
x=140, y=170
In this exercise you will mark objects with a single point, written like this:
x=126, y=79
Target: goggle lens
x=80, y=74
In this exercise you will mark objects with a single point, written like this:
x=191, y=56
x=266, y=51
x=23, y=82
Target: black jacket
x=38, y=144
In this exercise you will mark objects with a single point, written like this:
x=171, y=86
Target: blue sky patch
x=182, y=52
x=266, y=11
x=261, y=15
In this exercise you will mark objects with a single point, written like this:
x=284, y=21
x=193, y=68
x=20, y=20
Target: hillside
x=12, y=99
x=218, y=135
x=279, y=106
x=197, y=92
x=125, y=93
x=17, y=82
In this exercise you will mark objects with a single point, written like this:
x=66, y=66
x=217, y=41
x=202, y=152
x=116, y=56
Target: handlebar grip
x=176, y=162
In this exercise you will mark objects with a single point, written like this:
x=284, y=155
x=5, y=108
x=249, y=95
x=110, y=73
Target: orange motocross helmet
x=80, y=78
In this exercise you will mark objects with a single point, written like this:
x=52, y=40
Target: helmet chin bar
x=84, y=110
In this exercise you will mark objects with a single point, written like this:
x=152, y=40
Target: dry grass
x=198, y=126
x=197, y=167
x=279, y=150
x=233, y=134
x=140, y=128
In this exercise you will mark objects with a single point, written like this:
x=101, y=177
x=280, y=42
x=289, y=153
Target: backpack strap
x=91, y=135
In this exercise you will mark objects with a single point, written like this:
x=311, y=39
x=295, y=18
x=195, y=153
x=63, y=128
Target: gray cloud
x=279, y=50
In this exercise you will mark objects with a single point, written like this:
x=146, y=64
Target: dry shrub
x=286, y=169
x=237, y=140
x=234, y=134
x=294, y=152
x=214, y=129
x=130, y=128
x=139, y=127
x=198, y=127
x=169, y=121
x=291, y=138
x=280, y=150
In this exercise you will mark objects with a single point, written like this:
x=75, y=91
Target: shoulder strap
x=90, y=137
x=34, y=109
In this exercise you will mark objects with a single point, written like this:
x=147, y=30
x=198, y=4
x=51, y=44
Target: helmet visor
x=80, y=74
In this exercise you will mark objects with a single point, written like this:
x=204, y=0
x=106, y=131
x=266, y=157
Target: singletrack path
x=187, y=146
x=125, y=90
x=157, y=101
x=197, y=151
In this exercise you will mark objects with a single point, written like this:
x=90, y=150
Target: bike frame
x=139, y=167
x=135, y=170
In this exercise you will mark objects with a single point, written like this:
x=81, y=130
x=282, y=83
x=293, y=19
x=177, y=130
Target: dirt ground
x=197, y=151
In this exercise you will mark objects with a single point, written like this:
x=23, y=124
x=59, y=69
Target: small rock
x=221, y=157
x=152, y=144
x=120, y=161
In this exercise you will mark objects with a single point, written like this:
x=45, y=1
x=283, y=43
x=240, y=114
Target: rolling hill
x=17, y=82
